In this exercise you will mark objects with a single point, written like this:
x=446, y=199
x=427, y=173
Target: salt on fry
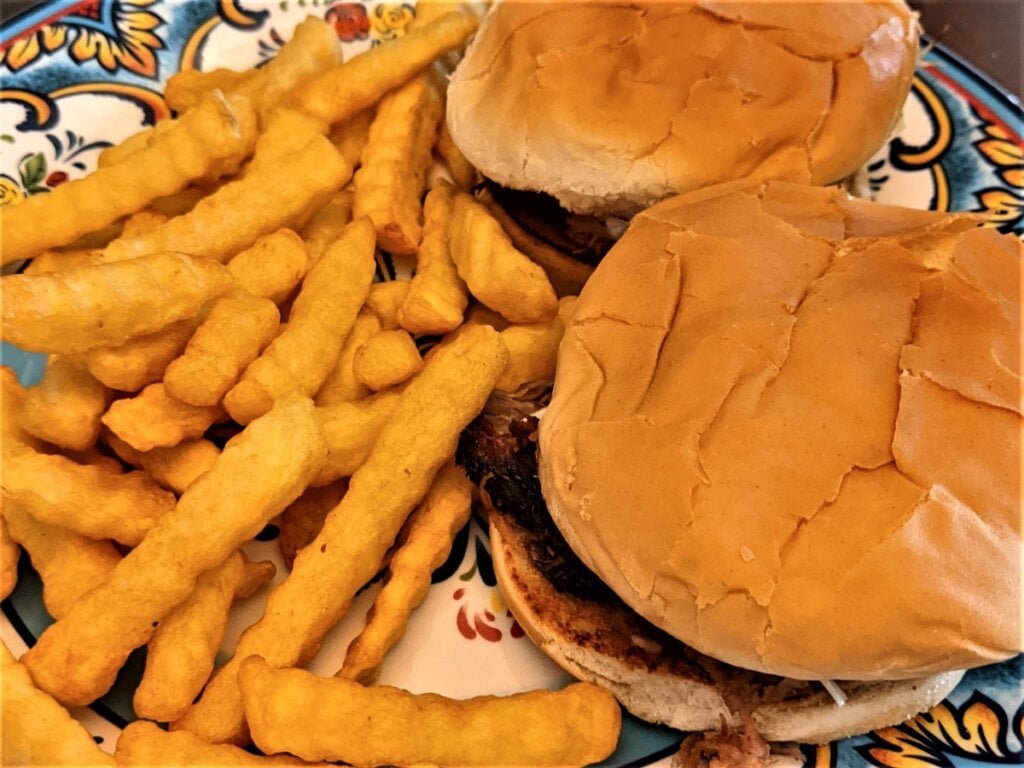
x=9, y=554
x=386, y=299
x=258, y=474
x=351, y=135
x=423, y=545
x=350, y=430
x=274, y=195
x=154, y=419
x=49, y=262
x=413, y=445
x=181, y=653
x=341, y=385
x=65, y=407
x=68, y=564
x=147, y=744
x=107, y=304
x=88, y=499
x=327, y=223
x=37, y=730
x=233, y=334
x=216, y=132
x=341, y=92
x=437, y=297
x=302, y=520
x=577, y=725
x=500, y=276
x=272, y=266
x=185, y=89
x=394, y=163
x=174, y=468
x=305, y=352
x=464, y=175
x=141, y=361
x=386, y=359
x=533, y=349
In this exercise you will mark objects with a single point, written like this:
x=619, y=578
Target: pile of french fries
x=215, y=276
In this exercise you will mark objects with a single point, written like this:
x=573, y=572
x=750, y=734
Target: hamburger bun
x=611, y=106
x=786, y=429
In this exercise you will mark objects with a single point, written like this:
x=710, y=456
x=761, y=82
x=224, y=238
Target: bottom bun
x=662, y=681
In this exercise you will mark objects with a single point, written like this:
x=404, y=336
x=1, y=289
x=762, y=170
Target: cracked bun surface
x=786, y=429
x=611, y=106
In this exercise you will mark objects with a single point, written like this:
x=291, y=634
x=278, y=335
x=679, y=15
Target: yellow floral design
x=10, y=192
x=26, y=50
x=1004, y=206
x=389, y=20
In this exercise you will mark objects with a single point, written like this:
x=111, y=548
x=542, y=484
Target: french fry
x=50, y=262
x=341, y=92
x=423, y=545
x=140, y=223
x=304, y=517
x=386, y=299
x=273, y=266
x=350, y=431
x=437, y=297
x=88, y=499
x=174, y=468
x=233, y=334
x=495, y=272
x=305, y=352
x=394, y=163
x=351, y=136
x=36, y=729
x=180, y=202
x=258, y=474
x=107, y=304
x=386, y=359
x=533, y=349
x=578, y=725
x=141, y=361
x=147, y=744
x=68, y=564
x=341, y=385
x=419, y=439
x=65, y=407
x=93, y=457
x=129, y=146
x=180, y=654
x=286, y=131
x=232, y=217
x=185, y=89
x=326, y=224
x=214, y=133
x=154, y=419
x=13, y=395
x=464, y=175
x=9, y=554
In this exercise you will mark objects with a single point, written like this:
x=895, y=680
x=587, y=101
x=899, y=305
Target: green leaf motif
x=7, y=138
x=33, y=171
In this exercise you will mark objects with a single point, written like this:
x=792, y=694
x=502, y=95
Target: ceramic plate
x=78, y=76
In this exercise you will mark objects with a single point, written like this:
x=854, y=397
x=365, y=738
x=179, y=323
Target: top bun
x=786, y=429
x=612, y=106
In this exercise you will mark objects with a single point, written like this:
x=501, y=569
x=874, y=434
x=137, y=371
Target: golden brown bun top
x=612, y=106
x=786, y=428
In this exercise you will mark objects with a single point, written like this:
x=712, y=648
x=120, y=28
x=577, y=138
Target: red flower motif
x=56, y=178
x=482, y=622
x=349, y=20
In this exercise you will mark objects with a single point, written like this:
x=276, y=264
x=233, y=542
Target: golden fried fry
x=215, y=133
x=232, y=217
x=50, y=262
x=273, y=266
x=185, y=89
x=147, y=744
x=500, y=276
x=351, y=136
x=578, y=725
x=326, y=224
x=65, y=407
x=9, y=553
x=533, y=349
x=305, y=516
x=464, y=175
x=36, y=729
x=93, y=457
x=394, y=163
x=413, y=445
x=341, y=92
x=12, y=395
x=88, y=499
x=423, y=545
x=107, y=304
x=154, y=419
x=174, y=468
x=181, y=652
x=305, y=352
x=350, y=431
x=140, y=223
x=141, y=361
x=180, y=202
x=386, y=359
x=237, y=329
x=129, y=146
x=386, y=299
x=341, y=385
x=286, y=131
x=259, y=473
x=68, y=564
x=437, y=297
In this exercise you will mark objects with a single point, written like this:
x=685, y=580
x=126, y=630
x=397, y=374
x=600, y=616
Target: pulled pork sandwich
x=777, y=480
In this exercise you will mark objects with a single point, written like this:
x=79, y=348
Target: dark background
x=988, y=33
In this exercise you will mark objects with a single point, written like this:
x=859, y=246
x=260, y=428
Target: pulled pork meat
x=733, y=747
